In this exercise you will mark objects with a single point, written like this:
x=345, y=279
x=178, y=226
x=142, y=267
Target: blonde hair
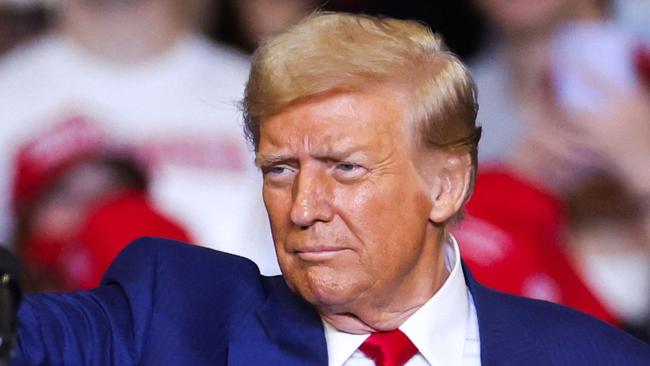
x=329, y=52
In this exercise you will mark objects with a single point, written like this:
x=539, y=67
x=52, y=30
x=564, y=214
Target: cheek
x=387, y=221
x=385, y=208
x=361, y=212
x=278, y=208
x=278, y=205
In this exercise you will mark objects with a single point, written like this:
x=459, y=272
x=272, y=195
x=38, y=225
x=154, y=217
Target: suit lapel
x=505, y=339
x=292, y=333
x=288, y=331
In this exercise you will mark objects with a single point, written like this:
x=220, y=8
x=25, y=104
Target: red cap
x=42, y=159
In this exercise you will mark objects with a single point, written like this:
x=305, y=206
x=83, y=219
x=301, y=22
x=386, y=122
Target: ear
x=449, y=186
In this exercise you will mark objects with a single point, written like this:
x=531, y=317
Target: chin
x=327, y=287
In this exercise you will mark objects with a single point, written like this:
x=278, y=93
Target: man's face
x=348, y=209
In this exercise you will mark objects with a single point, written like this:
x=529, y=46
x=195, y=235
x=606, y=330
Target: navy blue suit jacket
x=167, y=303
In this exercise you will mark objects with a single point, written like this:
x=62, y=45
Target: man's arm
x=84, y=328
x=104, y=326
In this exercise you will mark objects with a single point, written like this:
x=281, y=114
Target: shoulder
x=156, y=292
x=563, y=334
x=169, y=258
x=488, y=68
x=218, y=59
x=150, y=269
x=28, y=75
x=29, y=58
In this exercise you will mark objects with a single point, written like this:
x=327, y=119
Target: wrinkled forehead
x=338, y=121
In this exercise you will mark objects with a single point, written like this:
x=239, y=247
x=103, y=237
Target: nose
x=312, y=199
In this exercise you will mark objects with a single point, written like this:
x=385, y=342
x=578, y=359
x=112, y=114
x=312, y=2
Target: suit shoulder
x=156, y=292
x=174, y=258
x=569, y=334
x=183, y=253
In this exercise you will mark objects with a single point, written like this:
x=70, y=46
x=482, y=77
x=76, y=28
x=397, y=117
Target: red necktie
x=389, y=348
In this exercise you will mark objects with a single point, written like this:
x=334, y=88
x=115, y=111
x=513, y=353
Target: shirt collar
x=438, y=328
x=341, y=345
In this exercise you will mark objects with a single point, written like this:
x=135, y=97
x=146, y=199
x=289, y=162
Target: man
x=365, y=132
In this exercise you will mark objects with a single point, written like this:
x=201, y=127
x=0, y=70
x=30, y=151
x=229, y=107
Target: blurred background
x=119, y=119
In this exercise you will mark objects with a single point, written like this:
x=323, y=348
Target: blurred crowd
x=120, y=119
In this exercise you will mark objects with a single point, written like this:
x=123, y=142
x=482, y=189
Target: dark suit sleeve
x=104, y=326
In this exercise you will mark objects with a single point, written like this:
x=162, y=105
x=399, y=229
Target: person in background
x=79, y=199
x=540, y=132
x=259, y=19
x=143, y=73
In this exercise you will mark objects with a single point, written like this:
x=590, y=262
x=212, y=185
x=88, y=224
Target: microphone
x=10, y=295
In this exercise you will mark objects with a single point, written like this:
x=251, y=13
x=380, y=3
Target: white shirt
x=444, y=330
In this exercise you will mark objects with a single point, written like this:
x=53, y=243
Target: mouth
x=318, y=253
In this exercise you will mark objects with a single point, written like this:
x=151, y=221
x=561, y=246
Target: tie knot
x=392, y=348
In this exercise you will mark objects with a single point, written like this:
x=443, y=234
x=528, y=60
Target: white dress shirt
x=444, y=330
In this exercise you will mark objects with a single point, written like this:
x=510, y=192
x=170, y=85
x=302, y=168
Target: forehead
x=338, y=120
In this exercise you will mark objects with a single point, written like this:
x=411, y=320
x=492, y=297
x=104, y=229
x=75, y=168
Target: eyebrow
x=345, y=150
x=270, y=159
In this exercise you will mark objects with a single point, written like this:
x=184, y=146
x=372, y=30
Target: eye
x=278, y=173
x=276, y=169
x=348, y=171
x=346, y=167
